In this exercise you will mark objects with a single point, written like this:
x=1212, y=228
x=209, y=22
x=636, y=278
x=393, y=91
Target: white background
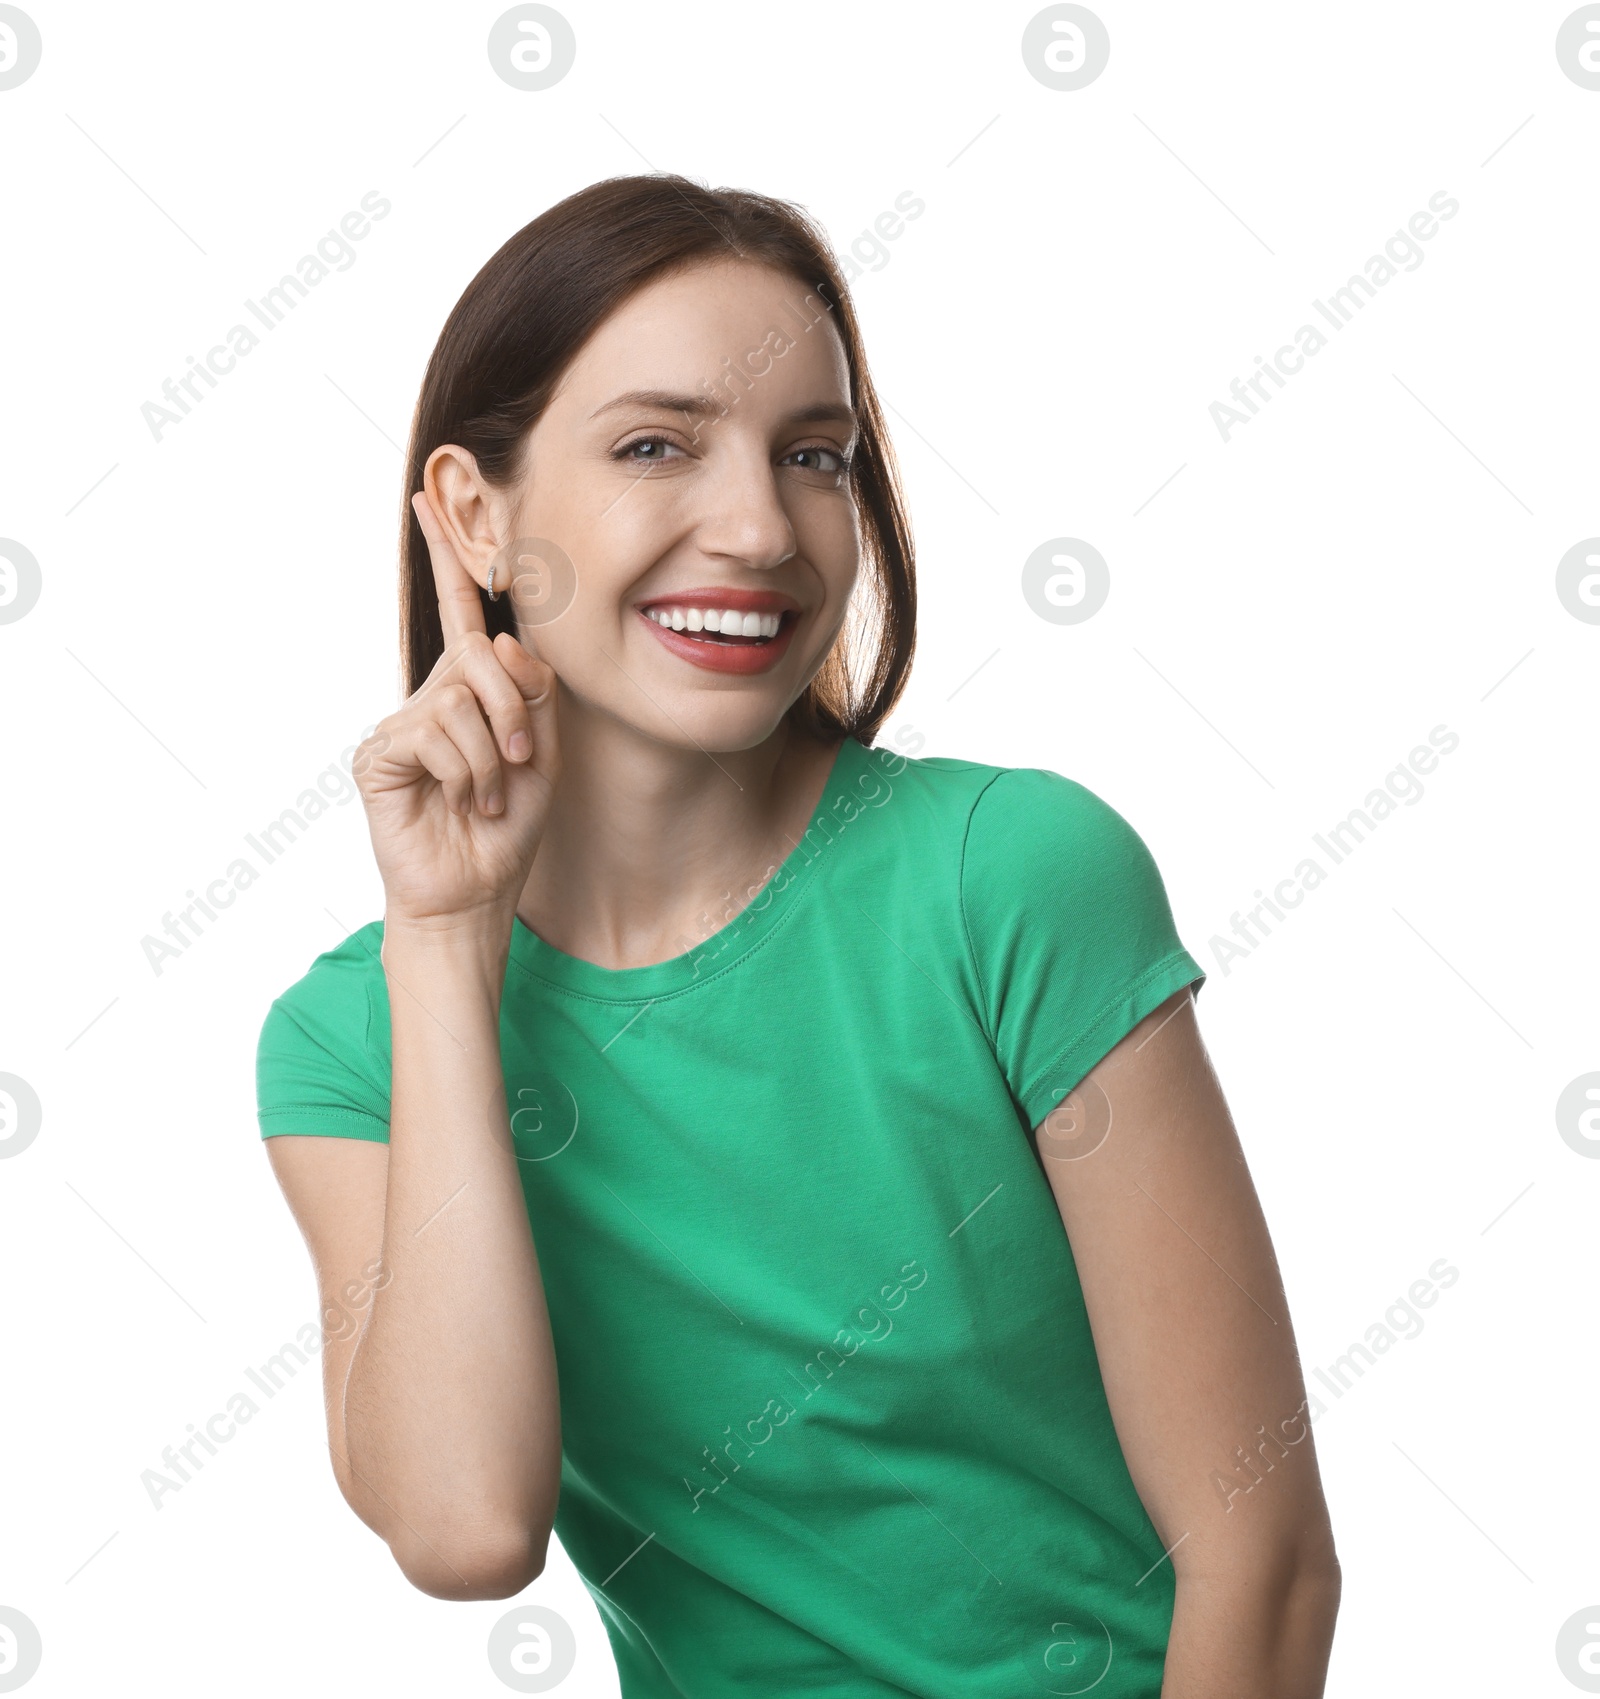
x=1372, y=556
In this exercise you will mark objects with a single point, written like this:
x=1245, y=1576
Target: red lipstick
x=707, y=649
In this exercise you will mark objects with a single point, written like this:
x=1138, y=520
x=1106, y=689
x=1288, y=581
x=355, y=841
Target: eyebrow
x=702, y=406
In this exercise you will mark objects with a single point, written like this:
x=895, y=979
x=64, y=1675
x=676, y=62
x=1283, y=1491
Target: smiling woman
x=735, y=309
x=718, y=1153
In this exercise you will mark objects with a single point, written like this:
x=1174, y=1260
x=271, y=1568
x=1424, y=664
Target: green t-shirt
x=831, y=1415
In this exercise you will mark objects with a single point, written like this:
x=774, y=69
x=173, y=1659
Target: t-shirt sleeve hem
x=320, y=1120
x=1109, y=1027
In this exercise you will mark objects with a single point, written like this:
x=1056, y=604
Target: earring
x=493, y=597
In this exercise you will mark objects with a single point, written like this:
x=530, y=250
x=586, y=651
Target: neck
x=651, y=847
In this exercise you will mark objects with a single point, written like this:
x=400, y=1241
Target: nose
x=742, y=516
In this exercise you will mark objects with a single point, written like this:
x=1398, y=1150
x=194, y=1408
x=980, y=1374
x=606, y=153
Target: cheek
x=583, y=631
x=586, y=638
x=621, y=530
x=829, y=536
x=840, y=581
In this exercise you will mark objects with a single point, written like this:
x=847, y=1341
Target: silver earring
x=492, y=596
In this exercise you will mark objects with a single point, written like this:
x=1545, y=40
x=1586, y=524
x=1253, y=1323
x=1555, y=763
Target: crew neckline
x=720, y=950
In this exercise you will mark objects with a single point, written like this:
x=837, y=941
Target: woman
x=837, y=1123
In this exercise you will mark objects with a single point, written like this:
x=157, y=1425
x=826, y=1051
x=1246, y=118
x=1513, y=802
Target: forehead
x=696, y=325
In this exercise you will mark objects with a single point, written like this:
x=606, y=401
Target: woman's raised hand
x=457, y=782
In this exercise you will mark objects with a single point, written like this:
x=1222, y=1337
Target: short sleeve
x=1070, y=931
x=317, y=1070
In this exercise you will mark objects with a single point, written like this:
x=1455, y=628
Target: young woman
x=787, y=1171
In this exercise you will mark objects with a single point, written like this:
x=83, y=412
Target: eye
x=626, y=450
x=822, y=459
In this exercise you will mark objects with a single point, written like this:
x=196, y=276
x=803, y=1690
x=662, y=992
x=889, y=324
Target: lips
x=713, y=653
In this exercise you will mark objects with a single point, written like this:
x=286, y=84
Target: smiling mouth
x=696, y=623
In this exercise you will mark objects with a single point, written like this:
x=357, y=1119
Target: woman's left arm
x=1198, y=1356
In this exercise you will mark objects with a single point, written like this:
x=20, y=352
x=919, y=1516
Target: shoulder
x=322, y=1060
x=333, y=997
x=1040, y=819
x=998, y=848
x=322, y=1057
x=926, y=793
x=1044, y=861
x=993, y=813
x=1066, y=924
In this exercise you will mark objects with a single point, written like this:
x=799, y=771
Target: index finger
x=460, y=609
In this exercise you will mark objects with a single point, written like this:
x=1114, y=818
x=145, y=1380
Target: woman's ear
x=468, y=507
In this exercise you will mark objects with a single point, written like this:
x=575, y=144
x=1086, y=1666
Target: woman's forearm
x=452, y=1418
x=1258, y=1632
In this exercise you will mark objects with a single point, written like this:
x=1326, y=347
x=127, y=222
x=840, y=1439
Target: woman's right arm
x=438, y=1369
x=442, y=1399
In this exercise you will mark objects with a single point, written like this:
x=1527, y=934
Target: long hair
x=528, y=312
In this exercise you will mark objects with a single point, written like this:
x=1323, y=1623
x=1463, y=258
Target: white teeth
x=726, y=620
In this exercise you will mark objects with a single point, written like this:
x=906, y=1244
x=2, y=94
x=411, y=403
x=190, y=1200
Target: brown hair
x=528, y=312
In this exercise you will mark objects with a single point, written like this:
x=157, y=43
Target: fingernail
x=494, y=802
x=519, y=745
